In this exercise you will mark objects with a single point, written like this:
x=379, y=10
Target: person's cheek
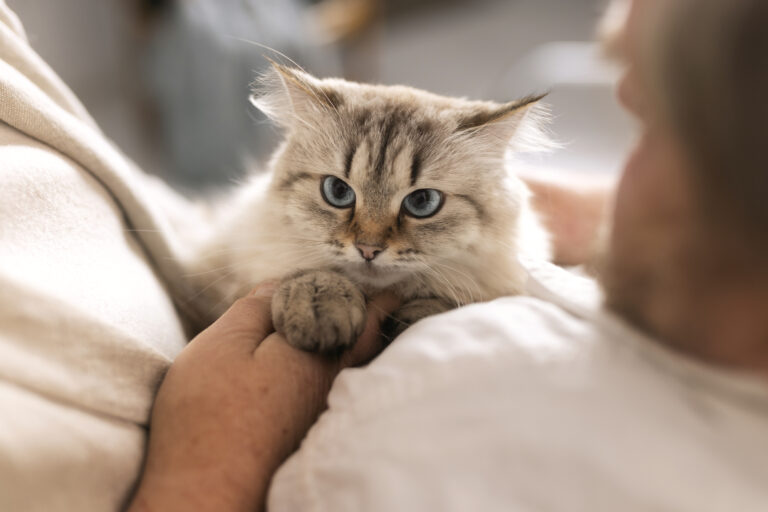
x=629, y=95
x=631, y=191
x=654, y=192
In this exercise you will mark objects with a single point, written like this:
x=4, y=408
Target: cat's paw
x=410, y=313
x=319, y=311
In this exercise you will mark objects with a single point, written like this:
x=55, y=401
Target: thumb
x=246, y=323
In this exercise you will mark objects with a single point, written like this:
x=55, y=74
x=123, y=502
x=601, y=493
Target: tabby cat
x=375, y=188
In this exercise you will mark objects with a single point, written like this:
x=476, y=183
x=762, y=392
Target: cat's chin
x=374, y=276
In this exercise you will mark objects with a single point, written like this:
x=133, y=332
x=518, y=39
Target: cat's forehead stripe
x=360, y=161
x=385, y=139
x=349, y=158
x=415, y=167
x=394, y=139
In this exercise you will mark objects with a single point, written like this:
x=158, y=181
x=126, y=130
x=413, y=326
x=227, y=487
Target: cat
x=375, y=188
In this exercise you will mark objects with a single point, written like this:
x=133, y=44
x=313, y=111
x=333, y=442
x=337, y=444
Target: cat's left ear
x=289, y=96
x=499, y=126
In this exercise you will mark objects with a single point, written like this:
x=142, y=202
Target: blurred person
x=657, y=401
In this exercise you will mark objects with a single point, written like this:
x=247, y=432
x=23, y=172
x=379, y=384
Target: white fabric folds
x=87, y=289
x=540, y=403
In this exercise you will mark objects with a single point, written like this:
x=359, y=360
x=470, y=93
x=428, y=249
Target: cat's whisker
x=266, y=248
x=379, y=309
x=441, y=261
x=504, y=243
x=457, y=282
x=296, y=238
x=229, y=266
x=261, y=248
x=465, y=275
x=450, y=289
x=210, y=285
x=464, y=294
x=305, y=254
x=135, y=230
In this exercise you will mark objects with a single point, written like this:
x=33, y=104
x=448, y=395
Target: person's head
x=690, y=228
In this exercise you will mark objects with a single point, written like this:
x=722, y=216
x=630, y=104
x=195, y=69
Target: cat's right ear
x=498, y=127
x=289, y=96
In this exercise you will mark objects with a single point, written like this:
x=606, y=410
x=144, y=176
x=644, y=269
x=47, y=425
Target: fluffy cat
x=374, y=187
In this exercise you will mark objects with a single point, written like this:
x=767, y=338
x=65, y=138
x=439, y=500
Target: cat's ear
x=499, y=126
x=289, y=96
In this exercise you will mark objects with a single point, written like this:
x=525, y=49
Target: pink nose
x=368, y=252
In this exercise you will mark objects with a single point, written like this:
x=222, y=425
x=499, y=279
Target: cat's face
x=390, y=183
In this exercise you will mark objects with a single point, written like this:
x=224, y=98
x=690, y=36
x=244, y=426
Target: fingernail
x=265, y=288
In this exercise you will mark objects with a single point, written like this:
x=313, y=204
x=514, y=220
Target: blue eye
x=423, y=203
x=337, y=193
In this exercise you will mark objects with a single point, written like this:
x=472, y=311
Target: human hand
x=234, y=405
x=575, y=214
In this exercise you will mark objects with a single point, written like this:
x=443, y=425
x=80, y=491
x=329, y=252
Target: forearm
x=232, y=471
x=234, y=405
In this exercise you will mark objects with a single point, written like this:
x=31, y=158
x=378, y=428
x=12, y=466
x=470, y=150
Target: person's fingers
x=246, y=323
x=371, y=342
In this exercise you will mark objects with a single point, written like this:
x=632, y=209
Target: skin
x=574, y=212
x=234, y=404
x=665, y=269
x=226, y=416
x=668, y=271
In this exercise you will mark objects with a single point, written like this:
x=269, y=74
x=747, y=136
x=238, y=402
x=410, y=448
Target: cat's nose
x=368, y=252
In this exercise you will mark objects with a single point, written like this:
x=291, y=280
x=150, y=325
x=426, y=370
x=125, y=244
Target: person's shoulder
x=474, y=391
x=518, y=339
x=518, y=328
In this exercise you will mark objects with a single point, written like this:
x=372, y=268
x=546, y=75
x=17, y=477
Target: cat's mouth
x=369, y=268
x=374, y=274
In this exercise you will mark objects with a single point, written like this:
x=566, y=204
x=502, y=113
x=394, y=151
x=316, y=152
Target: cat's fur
x=385, y=142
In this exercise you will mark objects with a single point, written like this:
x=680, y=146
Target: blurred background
x=168, y=80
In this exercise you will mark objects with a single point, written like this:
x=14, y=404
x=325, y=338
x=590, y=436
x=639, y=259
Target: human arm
x=575, y=212
x=235, y=403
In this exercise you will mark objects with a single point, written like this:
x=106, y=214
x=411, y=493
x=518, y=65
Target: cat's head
x=388, y=182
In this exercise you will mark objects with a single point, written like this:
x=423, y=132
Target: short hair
x=711, y=72
x=709, y=61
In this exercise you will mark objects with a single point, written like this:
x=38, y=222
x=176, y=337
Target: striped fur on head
x=386, y=142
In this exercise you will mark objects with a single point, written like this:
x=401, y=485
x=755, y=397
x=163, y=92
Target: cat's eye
x=337, y=193
x=423, y=203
